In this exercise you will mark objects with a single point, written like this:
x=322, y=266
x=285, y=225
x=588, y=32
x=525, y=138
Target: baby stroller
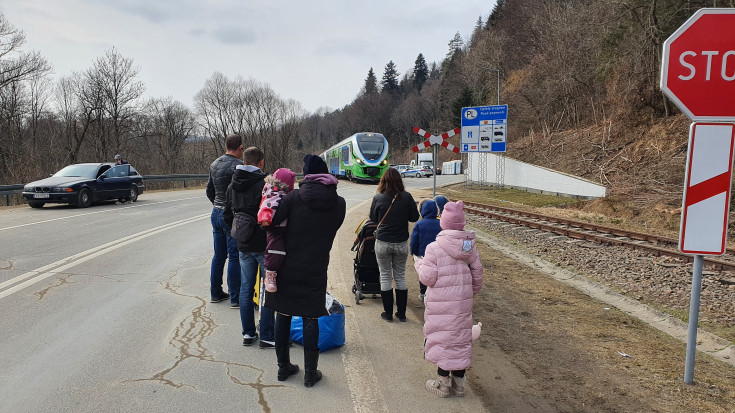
x=367, y=275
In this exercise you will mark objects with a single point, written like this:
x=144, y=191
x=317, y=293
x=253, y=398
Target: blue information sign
x=484, y=129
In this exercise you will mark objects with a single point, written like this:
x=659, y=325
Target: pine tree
x=371, y=84
x=390, y=79
x=492, y=20
x=420, y=72
x=455, y=45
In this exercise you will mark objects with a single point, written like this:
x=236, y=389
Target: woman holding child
x=314, y=212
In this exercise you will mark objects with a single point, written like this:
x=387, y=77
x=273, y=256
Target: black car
x=84, y=183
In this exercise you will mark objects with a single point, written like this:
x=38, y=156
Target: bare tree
x=16, y=65
x=172, y=124
x=113, y=79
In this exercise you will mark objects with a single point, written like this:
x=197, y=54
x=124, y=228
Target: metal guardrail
x=10, y=190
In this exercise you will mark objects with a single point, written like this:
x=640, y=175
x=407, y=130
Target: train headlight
x=359, y=161
x=385, y=162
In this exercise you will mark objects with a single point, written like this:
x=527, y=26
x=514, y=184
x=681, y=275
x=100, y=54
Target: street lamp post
x=497, y=71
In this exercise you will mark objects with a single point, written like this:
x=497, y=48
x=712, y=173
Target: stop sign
x=698, y=66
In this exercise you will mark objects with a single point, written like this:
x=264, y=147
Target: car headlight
x=62, y=189
x=28, y=189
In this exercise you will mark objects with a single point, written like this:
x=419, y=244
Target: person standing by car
x=243, y=197
x=225, y=247
x=119, y=160
x=392, y=208
x=314, y=212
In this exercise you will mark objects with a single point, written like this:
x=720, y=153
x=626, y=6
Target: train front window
x=371, y=146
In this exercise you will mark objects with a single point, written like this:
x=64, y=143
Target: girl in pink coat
x=452, y=271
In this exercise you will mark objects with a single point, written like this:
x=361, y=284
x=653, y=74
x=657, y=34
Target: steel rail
x=599, y=238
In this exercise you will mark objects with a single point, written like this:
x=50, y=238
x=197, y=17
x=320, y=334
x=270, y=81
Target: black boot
x=311, y=375
x=285, y=368
x=387, y=297
x=401, y=301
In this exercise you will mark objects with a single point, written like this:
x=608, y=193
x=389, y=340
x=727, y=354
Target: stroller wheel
x=354, y=288
x=358, y=296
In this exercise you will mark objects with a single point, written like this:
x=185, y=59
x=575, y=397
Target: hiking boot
x=457, y=388
x=440, y=386
x=270, y=281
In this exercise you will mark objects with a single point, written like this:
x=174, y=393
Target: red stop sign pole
x=698, y=75
x=698, y=66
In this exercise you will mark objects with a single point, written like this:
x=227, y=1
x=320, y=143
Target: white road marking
x=361, y=378
x=32, y=277
x=98, y=212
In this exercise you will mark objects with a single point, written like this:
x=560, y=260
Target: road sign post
x=435, y=141
x=698, y=75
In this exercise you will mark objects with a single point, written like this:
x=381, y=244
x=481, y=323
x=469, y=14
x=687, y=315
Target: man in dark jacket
x=243, y=197
x=315, y=212
x=225, y=247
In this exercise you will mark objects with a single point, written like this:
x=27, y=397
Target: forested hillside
x=581, y=81
x=580, y=78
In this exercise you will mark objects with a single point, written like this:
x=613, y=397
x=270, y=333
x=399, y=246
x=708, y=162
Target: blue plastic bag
x=331, y=330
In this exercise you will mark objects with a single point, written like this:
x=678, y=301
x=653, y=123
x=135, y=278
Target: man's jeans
x=391, y=257
x=225, y=249
x=249, y=264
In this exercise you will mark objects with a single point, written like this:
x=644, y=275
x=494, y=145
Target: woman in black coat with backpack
x=314, y=212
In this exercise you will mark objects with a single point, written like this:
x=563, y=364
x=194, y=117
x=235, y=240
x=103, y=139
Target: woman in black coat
x=393, y=207
x=314, y=212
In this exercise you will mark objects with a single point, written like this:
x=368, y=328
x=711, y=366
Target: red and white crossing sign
x=436, y=140
x=698, y=66
x=706, y=203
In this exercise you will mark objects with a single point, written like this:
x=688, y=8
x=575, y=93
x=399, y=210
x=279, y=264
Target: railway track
x=649, y=243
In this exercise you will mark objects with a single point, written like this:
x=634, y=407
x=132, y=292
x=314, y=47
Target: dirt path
x=548, y=347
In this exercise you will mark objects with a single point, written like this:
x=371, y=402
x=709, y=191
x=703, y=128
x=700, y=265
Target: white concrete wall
x=484, y=168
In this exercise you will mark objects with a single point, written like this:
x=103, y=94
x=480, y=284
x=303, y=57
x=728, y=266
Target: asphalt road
x=107, y=309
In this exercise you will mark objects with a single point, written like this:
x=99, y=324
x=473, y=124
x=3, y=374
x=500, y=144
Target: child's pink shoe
x=270, y=281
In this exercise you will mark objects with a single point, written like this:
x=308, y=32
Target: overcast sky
x=317, y=52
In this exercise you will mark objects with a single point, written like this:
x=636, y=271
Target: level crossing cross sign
x=698, y=66
x=440, y=140
x=707, y=181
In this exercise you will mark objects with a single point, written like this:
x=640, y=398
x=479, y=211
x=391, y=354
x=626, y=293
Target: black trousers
x=311, y=332
x=445, y=373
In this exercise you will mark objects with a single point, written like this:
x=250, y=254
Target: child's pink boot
x=270, y=281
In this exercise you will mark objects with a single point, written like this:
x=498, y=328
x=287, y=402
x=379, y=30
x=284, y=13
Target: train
x=362, y=157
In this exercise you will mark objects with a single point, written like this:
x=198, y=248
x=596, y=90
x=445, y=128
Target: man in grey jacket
x=225, y=247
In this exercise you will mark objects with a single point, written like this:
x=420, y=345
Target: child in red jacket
x=276, y=187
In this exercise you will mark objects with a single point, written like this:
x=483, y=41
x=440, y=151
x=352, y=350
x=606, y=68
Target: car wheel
x=36, y=204
x=418, y=174
x=133, y=196
x=403, y=175
x=85, y=198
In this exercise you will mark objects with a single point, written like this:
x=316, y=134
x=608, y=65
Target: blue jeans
x=250, y=262
x=391, y=257
x=225, y=249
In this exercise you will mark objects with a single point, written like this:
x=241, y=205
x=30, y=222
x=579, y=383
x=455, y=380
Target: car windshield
x=83, y=171
x=371, y=146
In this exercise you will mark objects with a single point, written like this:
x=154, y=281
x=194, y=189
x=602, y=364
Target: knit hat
x=286, y=176
x=440, y=201
x=453, y=216
x=313, y=164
